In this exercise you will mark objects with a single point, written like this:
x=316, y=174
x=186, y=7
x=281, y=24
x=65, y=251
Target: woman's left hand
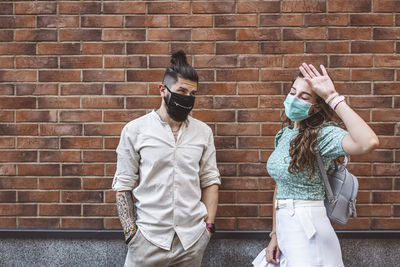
x=322, y=85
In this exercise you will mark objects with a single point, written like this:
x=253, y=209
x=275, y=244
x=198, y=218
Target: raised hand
x=322, y=85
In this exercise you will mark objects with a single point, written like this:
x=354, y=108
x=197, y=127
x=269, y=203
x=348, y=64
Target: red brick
x=145, y=75
x=282, y=47
x=143, y=48
x=386, y=33
x=37, y=89
x=391, y=223
x=58, y=48
x=18, y=156
x=386, y=197
x=125, y=62
x=258, y=34
x=227, y=170
x=386, y=6
x=168, y=7
x=259, y=88
x=303, y=6
x=236, y=20
x=260, y=61
x=103, y=48
x=214, y=34
x=271, y=101
x=18, y=129
x=97, y=183
x=7, y=169
x=6, y=116
x=81, y=142
x=374, y=210
x=281, y=20
x=238, y=129
x=59, y=183
x=237, y=75
x=59, y=76
x=372, y=75
x=304, y=33
x=372, y=47
x=6, y=8
x=81, y=62
x=215, y=61
x=8, y=196
x=327, y=47
x=214, y=115
x=374, y=156
x=350, y=6
x=102, y=102
x=350, y=33
x=37, y=115
x=371, y=102
x=79, y=35
x=38, y=196
x=39, y=223
x=79, y=7
x=296, y=61
x=102, y=21
x=17, y=49
x=18, y=102
x=103, y=129
x=253, y=224
x=326, y=19
x=112, y=223
x=124, y=35
x=82, y=223
x=122, y=116
x=213, y=7
x=147, y=21
x=125, y=88
x=59, y=210
x=387, y=61
x=270, y=128
x=194, y=48
x=244, y=6
x=252, y=169
x=36, y=62
x=237, y=156
x=257, y=142
x=386, y=88
x=258, y=115
x=57, y=156
x=216, y=88
x=57, y=21
x=80, y=116
x=355, y=224
x=239, y=183
x=168, y=35
x=35, y=8
x=383, y=128
x=35, y=35
x=100, y=210
x=278, y=75
x=371, y=19
x=81, y=89
x=38, y=169
x=8, y=222
x=375, y=183
x=6, y=142
x=18, y=183
x=103, y=75
x=225, y=142
x=389, y=142
x=131, y=7
x=59, y=102
x=143, y=102
x=17, y=22
x=82, y=196
x=82, y=169
x=7, y=36
x=192, y=21
x=241, y=211
x=17, y=75
x=227, y=197
x=254, y=197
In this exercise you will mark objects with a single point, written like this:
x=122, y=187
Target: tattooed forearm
x=126, y=210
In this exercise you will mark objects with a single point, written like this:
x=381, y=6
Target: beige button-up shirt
x=170, y=176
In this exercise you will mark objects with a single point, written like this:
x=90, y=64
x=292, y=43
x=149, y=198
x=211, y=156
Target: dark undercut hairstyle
x=179, y=68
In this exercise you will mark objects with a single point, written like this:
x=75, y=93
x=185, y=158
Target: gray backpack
x=341, y=189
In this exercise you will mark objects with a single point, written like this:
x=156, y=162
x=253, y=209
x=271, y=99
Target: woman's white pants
x=305, y=235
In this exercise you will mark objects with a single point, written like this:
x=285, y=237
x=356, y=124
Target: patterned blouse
x=299, y=185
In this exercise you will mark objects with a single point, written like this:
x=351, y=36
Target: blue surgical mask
x=296, y=109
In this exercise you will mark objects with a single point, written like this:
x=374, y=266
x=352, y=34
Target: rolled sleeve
x=209, y=173
x=127, y=171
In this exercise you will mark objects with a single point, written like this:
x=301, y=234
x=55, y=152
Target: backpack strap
x=328, y=189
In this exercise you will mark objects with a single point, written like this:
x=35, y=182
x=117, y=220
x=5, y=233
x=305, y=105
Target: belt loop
x=290, y=206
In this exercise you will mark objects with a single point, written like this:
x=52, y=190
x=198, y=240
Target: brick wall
x=73, y=73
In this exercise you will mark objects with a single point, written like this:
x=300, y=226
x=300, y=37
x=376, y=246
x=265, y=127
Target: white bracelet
x=272, y=233
x=332, y=96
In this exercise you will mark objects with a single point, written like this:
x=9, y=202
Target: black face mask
x=179, y=106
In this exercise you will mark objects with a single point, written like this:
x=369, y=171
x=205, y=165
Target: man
x=168, y=159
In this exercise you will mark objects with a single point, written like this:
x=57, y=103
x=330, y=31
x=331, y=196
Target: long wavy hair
x=301, y=147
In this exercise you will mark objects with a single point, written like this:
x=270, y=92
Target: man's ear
x=162, y=90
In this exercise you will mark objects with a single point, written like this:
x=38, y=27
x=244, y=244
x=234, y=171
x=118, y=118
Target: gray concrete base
x=220, y=252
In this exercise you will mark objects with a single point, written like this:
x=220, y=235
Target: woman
x=302, y=234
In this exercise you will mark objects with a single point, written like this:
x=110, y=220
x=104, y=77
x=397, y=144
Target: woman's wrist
x=273, y=232
x=331, y=97
x=336, y=101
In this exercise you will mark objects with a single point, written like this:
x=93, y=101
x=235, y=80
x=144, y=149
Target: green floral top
x=299, y=185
